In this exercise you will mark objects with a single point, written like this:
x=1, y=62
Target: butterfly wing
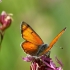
x=30, y=35
x=29, y=48
x=53, y=42
x=31, y=45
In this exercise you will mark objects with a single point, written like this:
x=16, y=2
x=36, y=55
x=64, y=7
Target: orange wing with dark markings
x=33, y=41
x=53, y=42
x=30, y=35
x=30, y=48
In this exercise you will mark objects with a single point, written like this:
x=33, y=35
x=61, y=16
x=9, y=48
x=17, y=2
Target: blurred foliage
x=47, y=18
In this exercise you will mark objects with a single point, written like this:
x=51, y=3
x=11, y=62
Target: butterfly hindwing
x=29, y=48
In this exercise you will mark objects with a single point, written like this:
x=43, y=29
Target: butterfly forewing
x=30, y=35
x=53, y=42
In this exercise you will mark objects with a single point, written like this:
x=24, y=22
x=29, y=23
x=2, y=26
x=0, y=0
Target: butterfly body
x=41, y=49
x=33, y=44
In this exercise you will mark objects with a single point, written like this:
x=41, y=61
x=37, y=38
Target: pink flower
x=42, y=63
x=5, y=20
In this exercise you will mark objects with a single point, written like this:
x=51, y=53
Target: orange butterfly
x=33, y=44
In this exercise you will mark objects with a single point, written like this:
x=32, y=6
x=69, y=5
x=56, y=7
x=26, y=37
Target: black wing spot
x=31, y=32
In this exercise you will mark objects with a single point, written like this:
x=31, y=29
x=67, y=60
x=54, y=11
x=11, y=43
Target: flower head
x=42, y=63
x=5, y=20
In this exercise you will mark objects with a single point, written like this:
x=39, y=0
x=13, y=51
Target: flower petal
x=5, y=20
x=28, y=58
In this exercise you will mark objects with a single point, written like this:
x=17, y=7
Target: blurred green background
x=47, y=18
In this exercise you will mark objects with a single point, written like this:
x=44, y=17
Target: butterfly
x=33, y=44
